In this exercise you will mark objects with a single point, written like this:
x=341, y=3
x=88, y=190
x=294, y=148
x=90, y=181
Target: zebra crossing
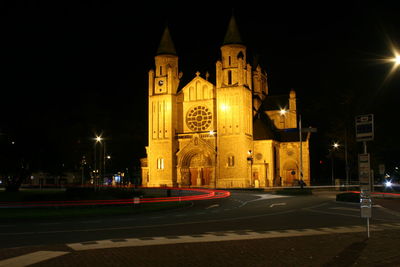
x=224, y=236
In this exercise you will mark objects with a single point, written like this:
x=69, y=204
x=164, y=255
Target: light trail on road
x=203, y=195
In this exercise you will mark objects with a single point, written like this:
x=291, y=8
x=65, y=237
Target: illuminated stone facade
x=227, y=134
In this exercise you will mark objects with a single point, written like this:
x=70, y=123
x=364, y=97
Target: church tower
x=163, y=84
x=234, y=112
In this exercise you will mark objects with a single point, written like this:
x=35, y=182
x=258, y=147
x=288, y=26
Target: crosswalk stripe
x=225, y=236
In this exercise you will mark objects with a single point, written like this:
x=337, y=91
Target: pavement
x=339, y=248
x=347, y=249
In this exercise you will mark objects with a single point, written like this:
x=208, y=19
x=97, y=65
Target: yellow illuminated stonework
x=227, y=133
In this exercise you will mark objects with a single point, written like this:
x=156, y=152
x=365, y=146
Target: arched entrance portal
x=290, y=173
x=196, y=163
x=200, y=170
x=196, y=170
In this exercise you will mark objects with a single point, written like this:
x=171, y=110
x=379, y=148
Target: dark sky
x=73, y=69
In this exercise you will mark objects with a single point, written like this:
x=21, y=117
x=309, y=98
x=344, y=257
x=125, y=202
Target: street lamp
x=335, y=146
x=396, y=60
x=98, y=139
x=250, y=160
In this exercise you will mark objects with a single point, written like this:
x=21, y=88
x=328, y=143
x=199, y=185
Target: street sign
x=366, y=207
x=364, y=172
x=365, y=128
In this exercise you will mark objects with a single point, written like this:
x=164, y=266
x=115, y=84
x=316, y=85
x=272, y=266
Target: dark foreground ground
x=381, y=249
x=353, y=249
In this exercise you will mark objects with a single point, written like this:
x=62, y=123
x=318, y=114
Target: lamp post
x=250, y=160
x=335, y=146
x=107, y=159
x=97, y=139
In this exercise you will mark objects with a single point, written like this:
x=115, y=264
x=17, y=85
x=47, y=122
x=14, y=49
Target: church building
x=227, y=133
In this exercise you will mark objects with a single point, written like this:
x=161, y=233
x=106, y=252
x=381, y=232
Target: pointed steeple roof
x=232, y=35
x=166, y=45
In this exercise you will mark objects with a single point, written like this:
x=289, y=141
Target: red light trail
x=202, y=194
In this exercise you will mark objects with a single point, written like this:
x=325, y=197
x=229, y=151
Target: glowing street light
x=396, y=60
x=388, y=184
x=335, y=145
x=282, y=112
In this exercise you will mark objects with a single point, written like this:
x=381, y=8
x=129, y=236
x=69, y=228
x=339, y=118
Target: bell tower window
x=231, y=161
x=229, y=77
x=160, y=164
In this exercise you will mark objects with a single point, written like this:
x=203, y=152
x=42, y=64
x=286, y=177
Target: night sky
x=71, y=70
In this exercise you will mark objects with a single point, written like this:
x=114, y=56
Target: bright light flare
x=335, y=145
x=282, y=111
x=388, y=184
x=98, y=139
x=224, y=107
x=396, y=60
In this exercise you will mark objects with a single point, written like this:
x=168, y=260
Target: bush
x=348, y=197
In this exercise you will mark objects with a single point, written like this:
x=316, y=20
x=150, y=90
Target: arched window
x=229, y=77
x=160, y=164
x=231, y=161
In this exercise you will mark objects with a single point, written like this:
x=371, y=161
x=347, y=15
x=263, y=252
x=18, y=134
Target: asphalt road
x=243, y=211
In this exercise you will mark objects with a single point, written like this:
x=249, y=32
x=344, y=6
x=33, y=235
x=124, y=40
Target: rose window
x=199, y=118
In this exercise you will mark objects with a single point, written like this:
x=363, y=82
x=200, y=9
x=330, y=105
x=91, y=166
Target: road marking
x=277, y=204
x=261, y=197
x=31, y=258
x=212, y=206
x=225, y=236
x=268, y=196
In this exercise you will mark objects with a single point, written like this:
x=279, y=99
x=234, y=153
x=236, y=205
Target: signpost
x=365, y=128
x=364, y=133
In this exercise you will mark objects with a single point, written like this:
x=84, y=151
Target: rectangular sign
x=363, y=168
x=366, y=208
x=365, y=128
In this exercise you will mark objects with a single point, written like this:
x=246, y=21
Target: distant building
x=226, y=134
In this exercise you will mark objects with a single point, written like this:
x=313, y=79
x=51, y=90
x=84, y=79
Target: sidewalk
x=353, y=249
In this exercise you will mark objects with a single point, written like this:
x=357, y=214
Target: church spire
x=166, y=45
x=232, y=35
